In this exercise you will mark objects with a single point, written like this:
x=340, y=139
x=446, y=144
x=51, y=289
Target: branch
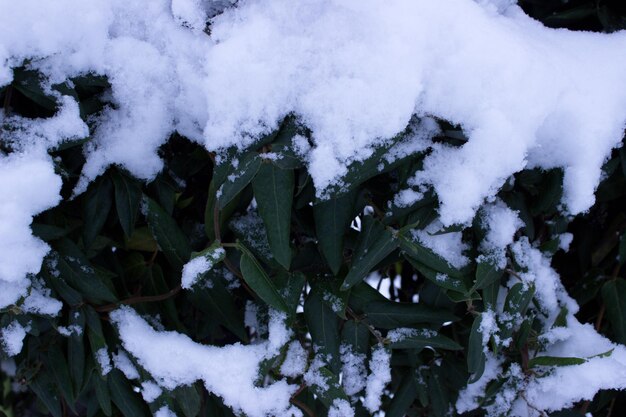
x=140, y=299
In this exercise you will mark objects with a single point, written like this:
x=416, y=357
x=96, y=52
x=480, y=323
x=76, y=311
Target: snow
x=356, y=73
x=164, y=412
x=150, y=391
x=12, y=338
x=295, y=361
x=448, y=245
x=353, y=371
x=104, y=360
x=173, y=359
x=122, y=362
x=377, y=380
x=195, y=268
x=341, y=408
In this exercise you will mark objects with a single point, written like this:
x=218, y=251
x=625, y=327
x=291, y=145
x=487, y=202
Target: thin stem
x=139, y=299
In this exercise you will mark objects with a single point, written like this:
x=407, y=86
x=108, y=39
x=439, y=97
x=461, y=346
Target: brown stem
x=136, y=300
x=369, y=326
x=303, y=406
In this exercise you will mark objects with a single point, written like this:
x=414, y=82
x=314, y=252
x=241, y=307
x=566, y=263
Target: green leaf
x=73, y=267
x=123, y=396
x=516, y=303
x=219, y=304
x=334, y=298
x=213, y=255
x=554, y=361
x=419, y=339
x=323, y=324
x=291, y=286
x=438, y=393
x=76, y=350
x=127, y=201
x=333, y=389
x=239, y=178
x=475, y=354
x=102, y=393
x=361, y=295
x=273, y=191
x=374, y=244
x=486, y=274
x=357, y=335
x=172, y=241
x=614, y=297
x=404, y=396
x=427, y=257
x=332, y=219
x=97, y=205
x=391, y=315
x=188, y=400
x=56, y=362
x=43, y=386
x=258, y=280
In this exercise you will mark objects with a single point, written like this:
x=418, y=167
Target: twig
x=371, y=328
x=140, y=299
x=303, y=406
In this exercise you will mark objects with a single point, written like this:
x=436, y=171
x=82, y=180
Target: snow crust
x=228, y=372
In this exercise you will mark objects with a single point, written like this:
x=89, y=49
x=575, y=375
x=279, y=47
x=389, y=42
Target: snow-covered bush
x=320, y=207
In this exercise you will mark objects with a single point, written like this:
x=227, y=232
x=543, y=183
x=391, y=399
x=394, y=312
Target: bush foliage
x=125, y=242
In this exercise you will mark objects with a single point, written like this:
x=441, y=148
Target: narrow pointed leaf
x=475, y=354
x=168, y=235
x=273, y=191
x=332, y=218
x=127, y=201
x=323, y=324
x=614, y=296
x=256, y=277
x=238, y=179
x=374, y=244
x=391, y=315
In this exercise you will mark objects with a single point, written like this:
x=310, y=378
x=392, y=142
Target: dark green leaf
x=76, y=350
x=102, y=392
x=391, y=315
x=486, y=274
x=614, y=297
x=332, y=219
x=127, y=201
x=419, y=339
x=404, y=396
x=256, y=277
x=333, y=389
x=168, y=235
x=554, y=361
x=56, y=362
x=475, y=354
x=123, y=396
x=188, y=400
x=239, y=178
x=427, y=257
x=218, y=302
x=323, y=324
x=97, y=205
x=43, y=386
x=374, y=244
x=273, y=191
x=73, y=267
x=357, y=335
